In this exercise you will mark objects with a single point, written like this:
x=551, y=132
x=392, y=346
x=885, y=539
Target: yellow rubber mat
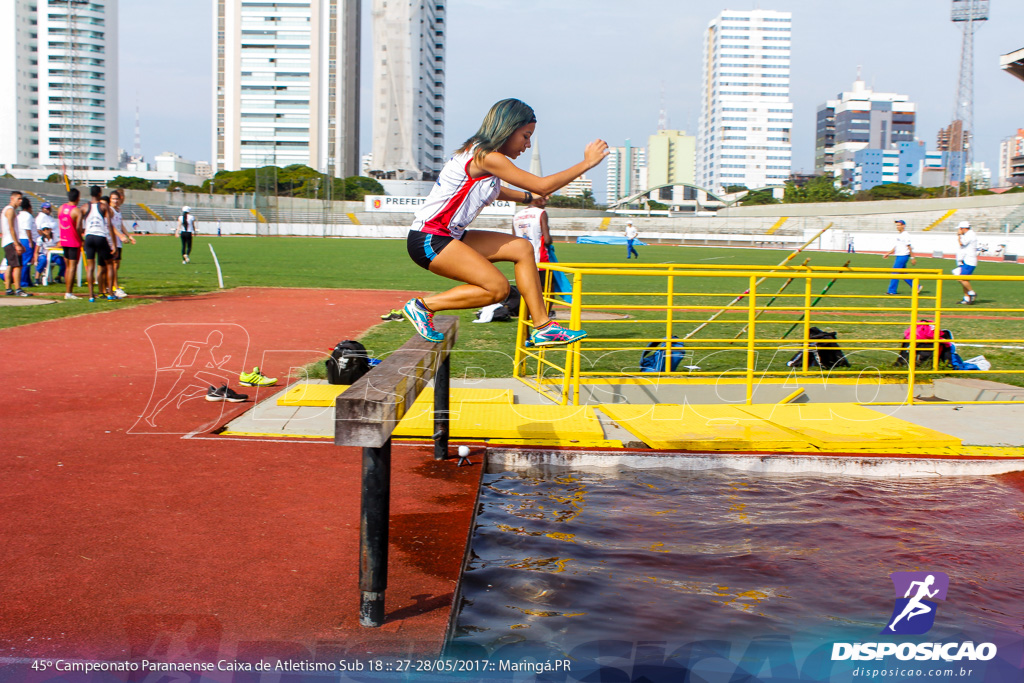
x=557, y=443
x=844, y=426
x=818, y=427
x=494, y=421
x=323, y=395
x=705, y=427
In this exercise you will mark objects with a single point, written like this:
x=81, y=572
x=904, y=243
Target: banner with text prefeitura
x=392, y=204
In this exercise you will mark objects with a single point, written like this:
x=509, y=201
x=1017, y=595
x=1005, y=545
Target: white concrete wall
x=834, y=240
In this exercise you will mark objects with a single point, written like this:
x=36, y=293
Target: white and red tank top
x=456, y=199
x=526, y=224
x=68, y=235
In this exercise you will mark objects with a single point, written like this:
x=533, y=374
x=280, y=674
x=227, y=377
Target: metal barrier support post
x=912, y=352
x=808, y=284
x=573, y=353
x=441, y=408
x=373, y=533
x=668, y=325
x=938, y=324
x=751, y=323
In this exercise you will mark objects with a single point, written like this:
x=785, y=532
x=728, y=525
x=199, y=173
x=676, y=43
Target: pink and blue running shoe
x=554, y=334
x=422, y=320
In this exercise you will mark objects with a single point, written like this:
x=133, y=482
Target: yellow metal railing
x=680, y=297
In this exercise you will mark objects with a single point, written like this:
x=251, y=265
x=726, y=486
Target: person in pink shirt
x=69, y=218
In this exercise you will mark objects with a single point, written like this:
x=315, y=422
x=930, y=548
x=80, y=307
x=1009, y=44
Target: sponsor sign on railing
x=393, y=204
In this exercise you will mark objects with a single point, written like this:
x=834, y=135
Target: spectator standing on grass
x=72, y=237
x=27, y=235
x=99, y=245
x=186, y=229
x=120, y=235
x=12, y=247
x=631, y=234
x=966, y=259
x=903, y=253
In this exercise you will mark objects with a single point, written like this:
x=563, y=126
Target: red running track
x=125, y=539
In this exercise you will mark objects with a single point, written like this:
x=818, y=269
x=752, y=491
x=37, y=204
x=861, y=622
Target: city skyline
x=606, y=91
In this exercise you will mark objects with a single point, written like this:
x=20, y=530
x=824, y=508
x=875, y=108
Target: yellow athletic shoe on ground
x=256, y=379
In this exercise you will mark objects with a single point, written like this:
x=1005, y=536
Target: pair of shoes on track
x=256, y=379
x=225, y=394
x=393, y=314
x=69, y=296
x=18, y=292
x=551, y=334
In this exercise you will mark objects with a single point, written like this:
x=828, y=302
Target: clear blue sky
x=595, y=68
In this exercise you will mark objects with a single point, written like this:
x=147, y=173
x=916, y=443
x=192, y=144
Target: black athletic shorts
x=72, y=253
x=12, y=256
x=98, y=248
x=424, y=247
x=117, y=254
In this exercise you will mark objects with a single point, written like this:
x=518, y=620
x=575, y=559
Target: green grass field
x=152, y=269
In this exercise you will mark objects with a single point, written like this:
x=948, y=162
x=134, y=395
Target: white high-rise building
x=626, y=171
x=746, y=113
x=59, y=64
x=408, y=89
x=286, y=84
x=578, y=187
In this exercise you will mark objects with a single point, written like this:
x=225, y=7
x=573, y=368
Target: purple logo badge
x=914, y=612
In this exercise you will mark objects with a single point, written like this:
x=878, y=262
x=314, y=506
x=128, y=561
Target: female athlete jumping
x=439, y=241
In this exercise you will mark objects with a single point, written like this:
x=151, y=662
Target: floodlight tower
x=969, y=14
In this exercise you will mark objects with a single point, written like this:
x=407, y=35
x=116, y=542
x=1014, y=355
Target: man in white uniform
x=903, y=253
x=631, y=234
x=966, y=259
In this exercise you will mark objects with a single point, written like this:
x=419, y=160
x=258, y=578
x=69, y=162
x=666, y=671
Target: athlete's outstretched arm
x=499, y=165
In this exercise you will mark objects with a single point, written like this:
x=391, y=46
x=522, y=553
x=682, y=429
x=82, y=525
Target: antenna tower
x=137, y=146
x=663, y=112
x=969, y=15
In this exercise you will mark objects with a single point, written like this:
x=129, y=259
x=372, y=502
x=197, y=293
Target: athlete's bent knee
x=498, y=290
x=522, y=251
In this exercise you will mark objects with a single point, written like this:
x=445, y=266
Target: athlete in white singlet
x=99, y=245
x=469, y=181
x=531, y=224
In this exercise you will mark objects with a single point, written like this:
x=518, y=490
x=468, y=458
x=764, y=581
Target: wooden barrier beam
x=368, y=411
x=365, y=415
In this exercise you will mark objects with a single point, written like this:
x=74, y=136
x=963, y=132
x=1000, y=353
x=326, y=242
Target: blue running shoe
x=422, y=320
x=553, y=335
